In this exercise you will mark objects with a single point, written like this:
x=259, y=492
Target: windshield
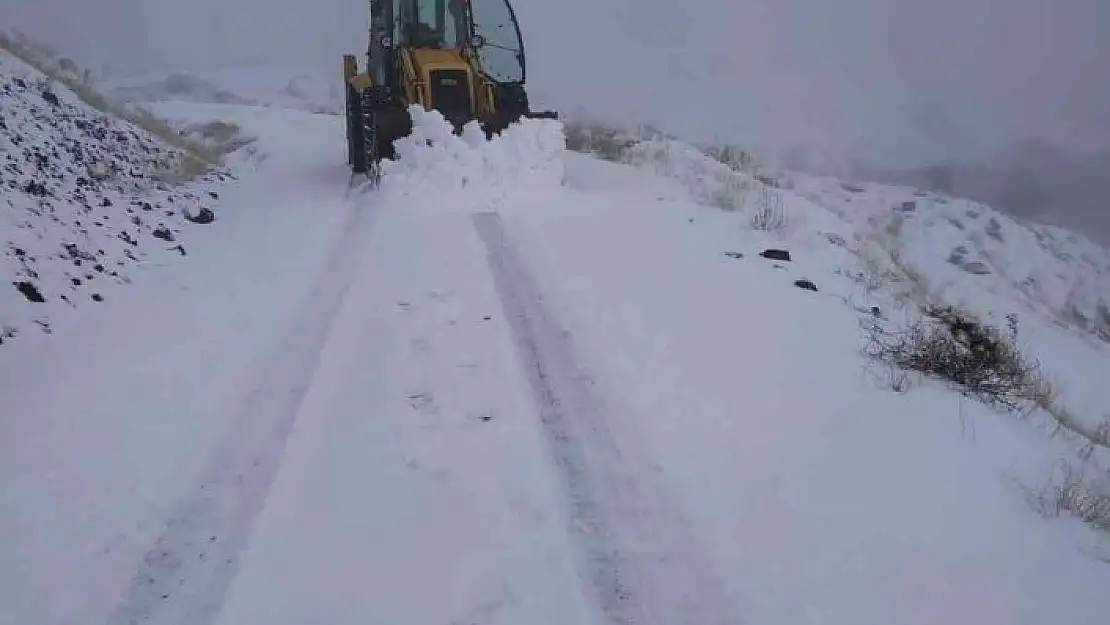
x=427, y=23
x=502, y=56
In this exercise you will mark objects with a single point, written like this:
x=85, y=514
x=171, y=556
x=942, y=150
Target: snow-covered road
x=512, y=386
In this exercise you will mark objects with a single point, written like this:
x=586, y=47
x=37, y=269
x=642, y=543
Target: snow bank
x=441, y=170
x=83, y=201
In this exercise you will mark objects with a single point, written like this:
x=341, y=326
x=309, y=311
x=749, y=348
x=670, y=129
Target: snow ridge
x=440, y=169
x=85, y=200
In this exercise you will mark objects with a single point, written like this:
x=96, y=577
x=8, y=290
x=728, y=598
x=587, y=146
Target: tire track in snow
x=640, y=559
x=186, y=573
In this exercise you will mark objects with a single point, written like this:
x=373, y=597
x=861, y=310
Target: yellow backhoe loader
x=463, y=58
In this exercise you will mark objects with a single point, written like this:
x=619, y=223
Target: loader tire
x=356, y=151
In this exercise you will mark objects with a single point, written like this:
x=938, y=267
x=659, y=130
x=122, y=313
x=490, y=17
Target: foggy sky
x=888, y=81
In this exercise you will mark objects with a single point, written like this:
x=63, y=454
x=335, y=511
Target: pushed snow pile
x=439, y=168
x=83, y=200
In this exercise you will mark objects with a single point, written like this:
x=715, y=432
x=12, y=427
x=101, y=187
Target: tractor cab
x=487, y=27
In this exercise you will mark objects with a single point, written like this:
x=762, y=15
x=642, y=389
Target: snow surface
x=520, y=385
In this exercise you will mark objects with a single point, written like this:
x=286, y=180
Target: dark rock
x=97, y=297
x=179, y=248
x=163, y=233
x=51, y=98
x=77, y=254
x=30, y=291
x=994, y=229
x=776, y=254
x=876, y=312
x=805, y=284
x=204, y=216
x=908, y=206
x=35, y=188
x=734, y=254
x=213, y=195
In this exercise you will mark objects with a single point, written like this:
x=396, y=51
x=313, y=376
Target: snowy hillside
x=959, y=247
x=87, y=198
x=520, y=384
x=248, y=86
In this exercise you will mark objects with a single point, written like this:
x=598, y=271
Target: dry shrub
x=948, y=344
x=769, y=214
x=598, y=140
x=1076, y=493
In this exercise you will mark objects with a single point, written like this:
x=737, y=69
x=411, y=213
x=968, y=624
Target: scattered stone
x=774, y=254
x=97, y=297
x=51, y=98
x=35, y=188
x=734, y=255
x=30, y=291
x=994, y=229
x=204, y=216
x=805, y=284
x=163, y=233
x=909, y=206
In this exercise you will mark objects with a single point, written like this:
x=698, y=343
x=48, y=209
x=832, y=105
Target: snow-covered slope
x=254, y=86
x=521, y=385
x=962, y=248
x=85, y=198
x=900, y=246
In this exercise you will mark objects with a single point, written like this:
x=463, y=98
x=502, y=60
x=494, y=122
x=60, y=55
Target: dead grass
x=1077, y=491
x=980, y=361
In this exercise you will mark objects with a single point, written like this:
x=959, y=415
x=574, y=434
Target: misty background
x=1003, y=101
